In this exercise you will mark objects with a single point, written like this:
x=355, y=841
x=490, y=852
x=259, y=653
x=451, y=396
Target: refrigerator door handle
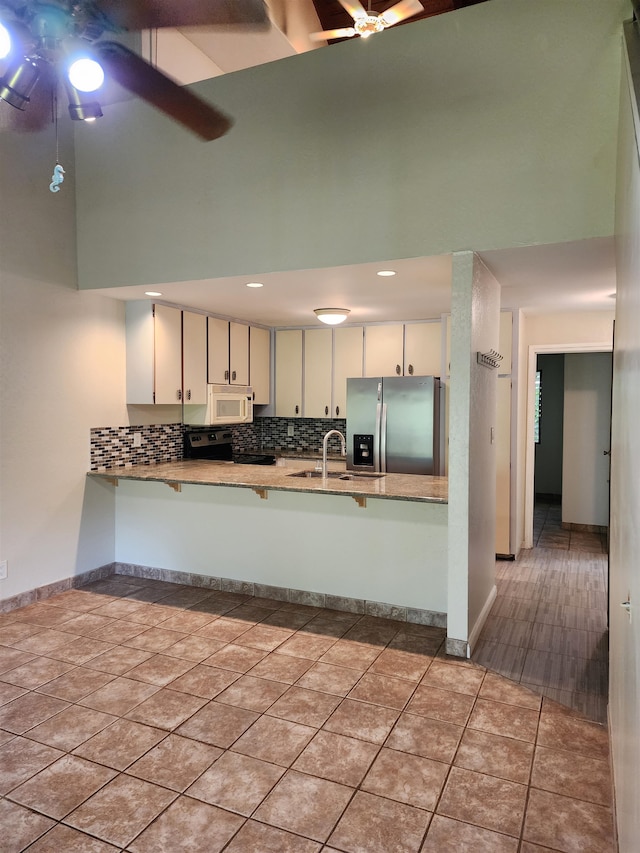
x=376, y=438
x=383, y=440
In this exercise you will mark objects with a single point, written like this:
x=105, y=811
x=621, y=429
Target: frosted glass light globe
x=5, y=42
x=86, y=75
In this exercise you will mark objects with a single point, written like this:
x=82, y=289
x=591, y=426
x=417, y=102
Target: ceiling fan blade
x=354, y=8
x=326, y=35
x=133, y=73
x=401, y=11
x=153, y=14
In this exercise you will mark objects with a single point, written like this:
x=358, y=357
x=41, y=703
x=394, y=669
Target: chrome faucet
x=325, y=441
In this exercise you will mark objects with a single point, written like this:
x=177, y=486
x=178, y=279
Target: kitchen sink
x=337, y=475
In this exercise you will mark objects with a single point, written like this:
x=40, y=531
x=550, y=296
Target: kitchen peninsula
x=258, y=528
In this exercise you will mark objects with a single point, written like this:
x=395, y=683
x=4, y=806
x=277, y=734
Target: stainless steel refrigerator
x=393, y=424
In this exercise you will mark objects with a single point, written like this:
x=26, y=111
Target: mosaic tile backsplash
x=112, y=447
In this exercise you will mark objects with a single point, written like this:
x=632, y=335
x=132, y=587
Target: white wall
x=475, y=327
x=624, y=658
x=447, y=131
x=62, y=372
x=587, y=425
x=391, y=551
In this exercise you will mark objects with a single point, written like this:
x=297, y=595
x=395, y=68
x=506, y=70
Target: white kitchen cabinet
x=289, y=373
x=318, y=357
x=422, y=349
x=238, y=354
x=383, y=350
x=194, y=358
x=167, y=329
x=228, y=344
x=260, y=365
x=348, y=350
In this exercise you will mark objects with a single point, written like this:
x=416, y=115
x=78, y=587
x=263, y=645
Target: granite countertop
x=264, y=478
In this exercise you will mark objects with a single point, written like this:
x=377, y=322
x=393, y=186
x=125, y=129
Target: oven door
x=228, y=405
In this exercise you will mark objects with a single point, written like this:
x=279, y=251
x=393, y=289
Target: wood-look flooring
x=548, y=626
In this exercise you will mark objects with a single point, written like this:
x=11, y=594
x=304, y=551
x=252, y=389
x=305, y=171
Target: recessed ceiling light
x=255, y=284
x=152, y=293
x=385, y=273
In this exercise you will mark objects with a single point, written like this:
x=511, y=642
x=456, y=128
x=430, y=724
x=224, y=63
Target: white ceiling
x=563, y=277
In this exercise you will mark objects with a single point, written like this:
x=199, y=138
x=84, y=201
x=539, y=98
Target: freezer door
x=364, y=402
x=412, y=424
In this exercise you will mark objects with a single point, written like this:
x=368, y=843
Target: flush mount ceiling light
x=255, y=284
x=385, y=273
x=331, y=316
x=152, y=293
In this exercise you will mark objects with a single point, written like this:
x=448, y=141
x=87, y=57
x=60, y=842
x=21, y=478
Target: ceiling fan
x=366, y=22
x=44, y=41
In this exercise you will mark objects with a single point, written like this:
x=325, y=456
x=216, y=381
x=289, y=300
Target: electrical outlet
x=290, y=429
x=4, y=569
x=137, y=439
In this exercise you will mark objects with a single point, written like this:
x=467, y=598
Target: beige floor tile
x=175, y=763
x=9, y=692
x=118, y=660
x=155, y=639
x=218, y=725
x=28, y=710
x=236, y=782
x=441, y=705
x=160, y=670
x=573, y=775
x=166, y=709
x=305, y=805
x=118, y=632
x=70, y=727
x=267, y=638
x=568, y=825
x=26, y=826
x=484, y=801
x=65, y=839
x=120, y=744
x=383, y=690
x=267, y=839
x=44, y=615
x=61, y=787
x=337, y=758
x=254, y=694
x=493, y=755
x=377, y=825
x=205, y=681
x=328, y=678
x=20, y=759
x=37, y=672
x=188, y=826
x=82, y=650
x=194, y=648
x=75, y=684
x=426, y=737
x=121, y=810
x=13, y=632
x=11, y=658
x=402, y=664
x=223, y=629
x=275, y=740
x=307, y=707
x=86, y=623
x=310, y=646
x=406, y=778
x=452, y=836
x=447, y=677
x=283, y=668
x=119, y=696
x=188, y=621
x=571, y=733
x=349, y=653
x=236, y=658
x=362, y=720
x=507, y=720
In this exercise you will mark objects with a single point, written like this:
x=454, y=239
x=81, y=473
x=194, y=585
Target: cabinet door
x=167, y=332
x=239, y=354
x=260, y=365
x=422, y=349
x=218, y=348
x=194, y=358
x=289, y=373
x=348, y=348
x=383, y=350
x=318, y=346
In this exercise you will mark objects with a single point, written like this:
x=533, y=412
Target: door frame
x=530, y=450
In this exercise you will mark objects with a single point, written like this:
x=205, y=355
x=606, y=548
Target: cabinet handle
x=410, y=370
x=188, y=393
x=297, y=409
x=337, y=411
x=398, y=369
x=179, y=394
x=226, y=375
x=233, y=376
x=326, y=410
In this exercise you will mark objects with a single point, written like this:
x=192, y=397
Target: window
x=537, y=408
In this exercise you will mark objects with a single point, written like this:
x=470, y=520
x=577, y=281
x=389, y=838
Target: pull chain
x=58, y=172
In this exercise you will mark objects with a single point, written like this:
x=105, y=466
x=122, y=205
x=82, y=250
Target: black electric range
x=217, y=445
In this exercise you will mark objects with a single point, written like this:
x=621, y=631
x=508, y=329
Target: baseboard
x=41, y=593
x=482, y=618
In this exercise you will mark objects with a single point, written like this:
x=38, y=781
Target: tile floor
x=548, y=626
x=145, y=717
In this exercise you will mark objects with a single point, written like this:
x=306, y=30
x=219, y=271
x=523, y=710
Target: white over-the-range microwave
x=229, y=404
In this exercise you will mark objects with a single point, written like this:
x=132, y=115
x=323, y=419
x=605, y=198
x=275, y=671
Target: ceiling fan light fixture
x=332, y=316
x=6, y=42
x=367, y=25
x=79, y=109
x=19, y=82
x=85, y=74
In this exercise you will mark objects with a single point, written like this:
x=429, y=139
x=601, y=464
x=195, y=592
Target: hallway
x=548, y=626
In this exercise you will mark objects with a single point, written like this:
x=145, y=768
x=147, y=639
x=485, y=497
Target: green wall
x=490, y=127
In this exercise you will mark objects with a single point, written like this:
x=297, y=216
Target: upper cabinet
x=228, y=361
x=194, y=358
x=413, y=349
x=260, y=364
x=168, y=354
x=348, y=349
x=154, y=353
x=318, y=357
x=289, y=373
